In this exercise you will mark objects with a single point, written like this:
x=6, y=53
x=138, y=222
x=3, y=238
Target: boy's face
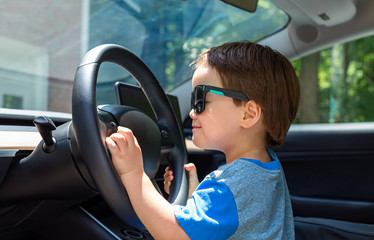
x=219, y=122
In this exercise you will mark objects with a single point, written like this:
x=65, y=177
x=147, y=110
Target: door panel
x=329, y=170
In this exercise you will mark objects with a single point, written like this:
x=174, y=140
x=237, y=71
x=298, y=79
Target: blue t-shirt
x=246, y=199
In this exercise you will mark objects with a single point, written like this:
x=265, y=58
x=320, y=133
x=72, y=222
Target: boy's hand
x=154, y=211
x=192, y=177
x=126, y=152
x=168, y=177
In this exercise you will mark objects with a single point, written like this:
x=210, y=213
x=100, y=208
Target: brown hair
x=265, y=76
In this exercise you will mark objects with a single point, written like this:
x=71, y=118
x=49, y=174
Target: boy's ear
x=251, y=114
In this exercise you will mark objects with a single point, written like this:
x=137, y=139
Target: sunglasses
x=198, y=96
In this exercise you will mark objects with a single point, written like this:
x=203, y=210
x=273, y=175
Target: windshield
x=42, y=42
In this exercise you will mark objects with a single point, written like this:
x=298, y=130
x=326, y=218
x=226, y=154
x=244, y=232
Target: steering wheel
x=91, y=126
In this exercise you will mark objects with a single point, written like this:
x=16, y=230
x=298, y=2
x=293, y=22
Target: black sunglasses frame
x=198, y=96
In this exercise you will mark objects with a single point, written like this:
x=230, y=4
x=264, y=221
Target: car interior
x=72, y=72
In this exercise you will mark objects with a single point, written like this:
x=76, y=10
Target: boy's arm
x=153, y=210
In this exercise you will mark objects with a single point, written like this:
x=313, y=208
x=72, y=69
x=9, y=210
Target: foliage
x=346, y=82
x=169, y=35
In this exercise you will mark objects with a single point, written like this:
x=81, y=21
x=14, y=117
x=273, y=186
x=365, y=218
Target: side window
x=337, y=84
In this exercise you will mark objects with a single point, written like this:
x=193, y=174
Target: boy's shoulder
x=243, y=173
x=226, y=170
x=239, y=168
x=244, y=165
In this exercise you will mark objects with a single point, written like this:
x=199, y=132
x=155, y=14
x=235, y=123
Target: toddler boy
x=244, y=100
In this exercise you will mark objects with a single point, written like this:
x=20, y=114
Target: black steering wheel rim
x=91, y=145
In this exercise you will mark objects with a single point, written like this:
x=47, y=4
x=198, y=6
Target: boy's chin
x=197, y=143
x=200, y=144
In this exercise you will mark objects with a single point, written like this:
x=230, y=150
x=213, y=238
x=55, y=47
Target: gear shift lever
x=45, y=127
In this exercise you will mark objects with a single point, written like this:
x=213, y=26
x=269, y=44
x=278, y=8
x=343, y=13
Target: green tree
x=308, y=77
x=344, y=75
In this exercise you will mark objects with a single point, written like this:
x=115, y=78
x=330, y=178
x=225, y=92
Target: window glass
x=42, y=42
x=337, y=84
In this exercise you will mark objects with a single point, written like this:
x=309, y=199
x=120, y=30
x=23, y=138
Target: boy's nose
x=193, y=114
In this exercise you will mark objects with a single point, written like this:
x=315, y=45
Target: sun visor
x=327, y=12
x=246, y=5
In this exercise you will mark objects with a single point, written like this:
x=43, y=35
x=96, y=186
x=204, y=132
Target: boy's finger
x=190, y=167
x=168, y=173
x=169, y=178
x=122, y=129
x=167, y=187
x=128, y=134
x=111, y=144
x=119, y=140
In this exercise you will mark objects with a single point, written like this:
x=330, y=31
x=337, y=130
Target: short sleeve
x=211, y=213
